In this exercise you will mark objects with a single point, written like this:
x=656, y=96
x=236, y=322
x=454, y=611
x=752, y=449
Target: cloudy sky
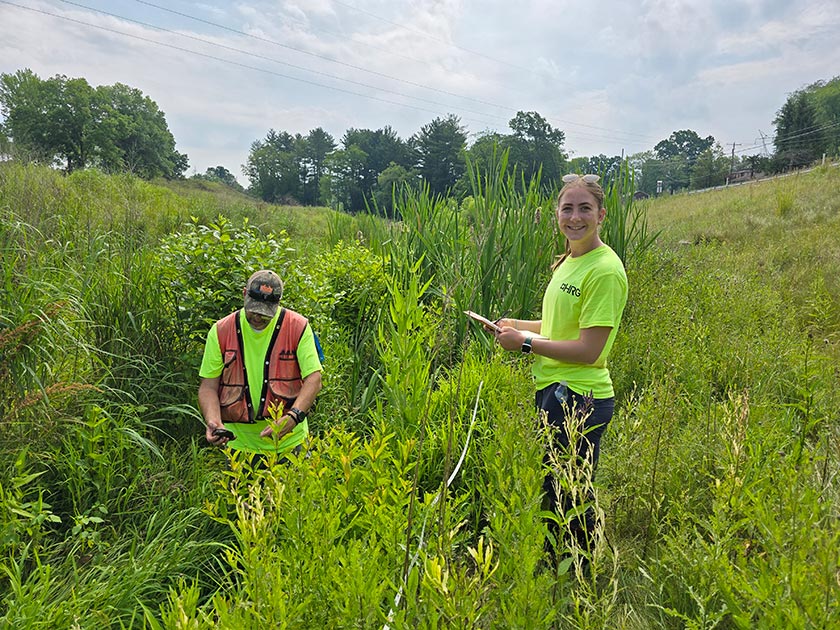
x=614, y=75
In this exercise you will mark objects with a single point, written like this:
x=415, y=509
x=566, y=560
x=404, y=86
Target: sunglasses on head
x=573, y=177
x=271, y=298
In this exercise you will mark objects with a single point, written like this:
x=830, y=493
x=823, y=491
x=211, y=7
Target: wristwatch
x=526, y=345
x=298, y=415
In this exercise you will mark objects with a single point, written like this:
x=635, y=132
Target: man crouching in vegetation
x=260, y=374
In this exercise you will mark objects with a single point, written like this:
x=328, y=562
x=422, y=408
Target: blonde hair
x=594, y=189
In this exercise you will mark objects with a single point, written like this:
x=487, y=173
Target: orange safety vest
x=281, y=371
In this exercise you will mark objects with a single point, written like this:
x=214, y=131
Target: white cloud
x=612, y=74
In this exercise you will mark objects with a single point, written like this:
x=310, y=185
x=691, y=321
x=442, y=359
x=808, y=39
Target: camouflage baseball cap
x=263, y=293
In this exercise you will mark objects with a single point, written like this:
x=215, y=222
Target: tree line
x=68, y=123
x=807, y=128
x=362, y=170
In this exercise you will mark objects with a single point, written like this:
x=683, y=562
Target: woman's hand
x=510, y=338
x=505, y=322
x=522, y=325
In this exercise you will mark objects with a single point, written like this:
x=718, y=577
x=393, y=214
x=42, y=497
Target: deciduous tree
x=685, y=143
x=827, y=101
x=711, y=168
x=536, y=146
x=132, y=134
x=600, y=164
x=678, y=153
x=66, y=121
x=222, y=175
x=51, y=120
x=390, y=182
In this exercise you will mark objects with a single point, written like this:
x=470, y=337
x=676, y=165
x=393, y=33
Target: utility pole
x=732, y=162
x=764, y=142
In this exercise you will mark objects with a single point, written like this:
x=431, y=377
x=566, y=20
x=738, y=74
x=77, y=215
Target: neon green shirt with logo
x=256, y=344
x=584, y=292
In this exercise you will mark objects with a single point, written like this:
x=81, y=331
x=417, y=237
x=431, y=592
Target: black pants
x=590, y=416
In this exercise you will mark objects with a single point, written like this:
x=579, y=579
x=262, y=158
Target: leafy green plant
x=86, y=526
x=342, y=291
x=204, y=269
x=404, y=346
x=26, y=517
x=512, y=512
x=90, y=477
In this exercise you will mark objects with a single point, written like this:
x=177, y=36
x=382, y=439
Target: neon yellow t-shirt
x=584, y=292
x=256, y=346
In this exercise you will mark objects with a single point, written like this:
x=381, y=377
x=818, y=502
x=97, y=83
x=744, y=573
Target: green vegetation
x=807, y=125
x=67, y=122
x=370, y=167
x=418, y=505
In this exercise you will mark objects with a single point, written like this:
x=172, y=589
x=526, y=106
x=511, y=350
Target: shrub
x=346, y=285
x=205, y=267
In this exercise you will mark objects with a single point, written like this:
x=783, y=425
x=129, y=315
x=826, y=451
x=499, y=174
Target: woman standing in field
x=581, y=312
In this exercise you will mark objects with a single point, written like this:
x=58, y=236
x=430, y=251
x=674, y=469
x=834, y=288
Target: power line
x=808, y=133
x=437, y=39
x=305, y=52
x=798, y=135
x=362, y=69
x=338, y=89
x=228, y=61
x=690, y=162
x=389, y=51
x=501, y=61
x=277, y=61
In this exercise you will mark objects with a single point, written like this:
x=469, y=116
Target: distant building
x=744, y=175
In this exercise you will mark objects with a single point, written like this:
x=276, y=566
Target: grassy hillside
x=301, y=223
x=419, y=503
x=728, y=446
x=785, y=231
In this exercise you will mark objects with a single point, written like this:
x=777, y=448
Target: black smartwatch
x=526, y=345
x=299, y=415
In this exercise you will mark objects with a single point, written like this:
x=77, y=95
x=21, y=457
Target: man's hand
x=216, y=440
x=279, y=429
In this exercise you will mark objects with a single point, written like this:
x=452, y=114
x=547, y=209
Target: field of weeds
x=418, y=503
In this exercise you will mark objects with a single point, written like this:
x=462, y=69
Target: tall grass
x=492, y=252
x=718, y=480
